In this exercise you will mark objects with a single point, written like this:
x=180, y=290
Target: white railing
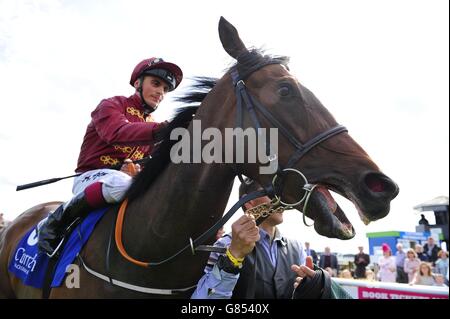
x=363, y=289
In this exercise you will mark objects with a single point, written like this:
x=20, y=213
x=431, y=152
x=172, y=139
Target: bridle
x=244, y=98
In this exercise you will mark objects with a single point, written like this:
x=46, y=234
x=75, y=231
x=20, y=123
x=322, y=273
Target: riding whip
x=57, y=179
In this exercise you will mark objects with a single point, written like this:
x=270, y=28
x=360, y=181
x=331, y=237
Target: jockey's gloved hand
x=128, y=167
x=160, y=130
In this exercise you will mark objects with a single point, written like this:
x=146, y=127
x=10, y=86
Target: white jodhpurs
x=114, y=183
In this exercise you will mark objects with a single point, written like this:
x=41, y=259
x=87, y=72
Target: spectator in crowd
x=370, y=275
x=431, y=250
x=400, y=257
x=388, y=268
x=420, y=254
x=424, y=275
x=362, y=260
x=442, y=263
x=329, y=260
x=346, y=274
x=311, y=252
x=411, y=265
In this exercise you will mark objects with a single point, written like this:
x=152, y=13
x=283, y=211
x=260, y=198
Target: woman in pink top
x=388, y=267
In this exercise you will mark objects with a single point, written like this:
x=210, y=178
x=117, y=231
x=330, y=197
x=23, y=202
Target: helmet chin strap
x=147, y=108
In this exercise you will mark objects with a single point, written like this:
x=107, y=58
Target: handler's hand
x=303, y=271
x=245, y=234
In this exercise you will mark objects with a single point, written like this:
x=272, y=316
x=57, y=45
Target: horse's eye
x=284, y=90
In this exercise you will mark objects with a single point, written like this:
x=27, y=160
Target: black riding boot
x=52, y=232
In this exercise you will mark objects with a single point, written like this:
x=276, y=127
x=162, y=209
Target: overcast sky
x=380, y=67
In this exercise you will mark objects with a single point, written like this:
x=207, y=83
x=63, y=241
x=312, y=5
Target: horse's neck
x=186, y=199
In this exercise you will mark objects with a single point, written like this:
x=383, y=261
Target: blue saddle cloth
x=30, y=265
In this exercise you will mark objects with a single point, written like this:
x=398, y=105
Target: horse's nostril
x=379, y=183
x=374, y=184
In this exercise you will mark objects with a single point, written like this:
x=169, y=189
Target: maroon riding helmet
x=169, y=72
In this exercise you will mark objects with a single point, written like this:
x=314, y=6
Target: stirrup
x=51, y=255
x=56, y=250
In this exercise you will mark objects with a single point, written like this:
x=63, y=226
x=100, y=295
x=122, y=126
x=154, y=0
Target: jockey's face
x=153, y=90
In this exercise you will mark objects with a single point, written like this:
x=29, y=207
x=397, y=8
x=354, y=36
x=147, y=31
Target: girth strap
x=141, y=289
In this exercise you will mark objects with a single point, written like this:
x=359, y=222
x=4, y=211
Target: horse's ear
x=230, y=39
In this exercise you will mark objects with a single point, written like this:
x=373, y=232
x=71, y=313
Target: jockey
x=121, y=130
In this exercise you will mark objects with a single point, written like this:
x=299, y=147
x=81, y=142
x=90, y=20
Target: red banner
x=380, y=293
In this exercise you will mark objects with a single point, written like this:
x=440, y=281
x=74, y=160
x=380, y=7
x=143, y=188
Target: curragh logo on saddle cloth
x=30, y=265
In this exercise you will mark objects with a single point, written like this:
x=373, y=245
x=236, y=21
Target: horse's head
x=310, y=141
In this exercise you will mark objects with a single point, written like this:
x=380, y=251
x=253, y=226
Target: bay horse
x=169, y=203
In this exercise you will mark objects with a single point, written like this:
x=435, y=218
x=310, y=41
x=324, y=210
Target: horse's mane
x=160, y=157
x=197, y=91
